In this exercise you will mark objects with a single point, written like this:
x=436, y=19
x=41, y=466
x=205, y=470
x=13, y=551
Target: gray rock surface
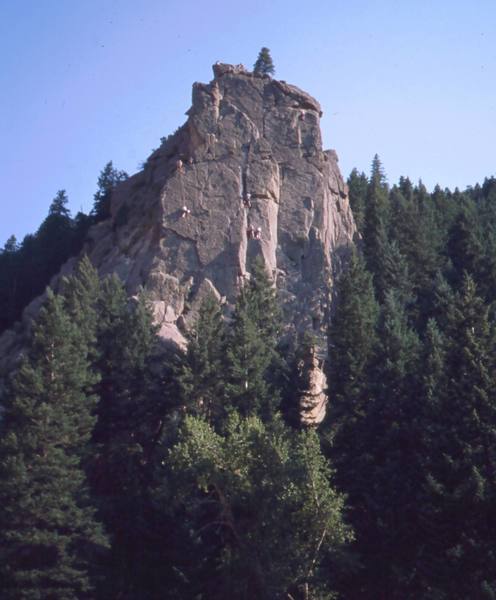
x=248, y=162
x=245, y=176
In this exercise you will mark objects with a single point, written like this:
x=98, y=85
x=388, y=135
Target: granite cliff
x=245, y=176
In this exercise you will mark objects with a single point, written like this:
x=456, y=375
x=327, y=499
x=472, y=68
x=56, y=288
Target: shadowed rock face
x=245, y=176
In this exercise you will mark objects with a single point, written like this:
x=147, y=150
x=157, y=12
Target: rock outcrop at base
x=245, y=176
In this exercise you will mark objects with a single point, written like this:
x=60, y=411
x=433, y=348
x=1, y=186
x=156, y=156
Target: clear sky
x=83, y=82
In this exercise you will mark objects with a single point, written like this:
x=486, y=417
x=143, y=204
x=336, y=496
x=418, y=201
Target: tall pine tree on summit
x=264, y=64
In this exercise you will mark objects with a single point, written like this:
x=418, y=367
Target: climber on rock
x=247, y=200
x=179, y=165
x=250, y=232
x=185, y=212
x=258, y=233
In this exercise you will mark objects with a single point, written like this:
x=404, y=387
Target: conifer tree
x=391, y=473
x=357, y=193
x=264, y=64
x=462, y=479
x=201, y=380
x=352, y=341
x=395, y=276
x=430, y=424
x=254, y=364
x=9, y=281
x=130, y=415
x=50, y=537
x=375, y=237
x=464, y=248
x=248, y=361
x=81, y=293
x=108, y=179
x=418, y=238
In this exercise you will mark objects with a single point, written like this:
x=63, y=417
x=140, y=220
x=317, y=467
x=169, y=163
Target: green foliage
x=200, y=378
x=375, y=239
x=258, y=500
x=108, y=179
x=357, y=193
x=352, y=338
x=203, y=491
x=458, y=511
x=254, y=365
x=464, y=247
x=264, y=64
x=50, y=537
x=130, y=419
x=26, y=269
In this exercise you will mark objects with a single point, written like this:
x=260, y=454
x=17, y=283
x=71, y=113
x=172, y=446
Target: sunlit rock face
x=245, y=176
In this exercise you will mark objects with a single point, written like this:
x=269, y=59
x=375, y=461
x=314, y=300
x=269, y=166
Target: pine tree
x=51, y=539
x=248, y=361
x=464, y=248
x=429, y=562
x=58, y=207
x=254, y=364
x=352, y=341
x=130, y=419
x=9, y=281
x=81, y=292
x=357, y=193
x=375, y=239
x=395, y=276
x=264, y=64
x=418, y=238
x=108, y=179
x=462, y=478
x=201, y=381
x=54, y=240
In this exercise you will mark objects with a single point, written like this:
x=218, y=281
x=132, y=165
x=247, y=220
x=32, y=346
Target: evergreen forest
x=132, y=471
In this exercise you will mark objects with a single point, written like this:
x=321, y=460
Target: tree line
x=128, y=471
x=26, y=268
x=127, y=475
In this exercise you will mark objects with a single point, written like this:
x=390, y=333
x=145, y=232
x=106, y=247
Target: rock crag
x=245, y=176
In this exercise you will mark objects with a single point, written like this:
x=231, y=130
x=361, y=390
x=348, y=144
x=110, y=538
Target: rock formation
x=245, y=176
x=313, y=398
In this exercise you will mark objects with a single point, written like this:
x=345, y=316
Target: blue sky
x=84, y=82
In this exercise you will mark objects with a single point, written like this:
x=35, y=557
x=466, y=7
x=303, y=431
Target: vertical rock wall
x=249, y=169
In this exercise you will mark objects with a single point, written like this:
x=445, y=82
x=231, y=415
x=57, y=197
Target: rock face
x=313, y=399
x=245, y=176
